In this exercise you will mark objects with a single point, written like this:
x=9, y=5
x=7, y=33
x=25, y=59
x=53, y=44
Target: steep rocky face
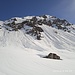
x=35, y=22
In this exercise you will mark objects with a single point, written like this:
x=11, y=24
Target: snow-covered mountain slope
x=24, y=41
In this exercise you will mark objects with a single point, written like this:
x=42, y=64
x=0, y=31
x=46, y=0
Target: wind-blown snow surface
x=21, y=54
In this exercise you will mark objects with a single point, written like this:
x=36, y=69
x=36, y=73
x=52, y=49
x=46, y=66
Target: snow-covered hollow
x=21, y=53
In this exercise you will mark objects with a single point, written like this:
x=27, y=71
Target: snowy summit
x=32, y=45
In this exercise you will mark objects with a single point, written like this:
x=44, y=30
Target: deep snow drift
x=21, y=52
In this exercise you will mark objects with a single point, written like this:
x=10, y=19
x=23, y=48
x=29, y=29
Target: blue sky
x=20, y=8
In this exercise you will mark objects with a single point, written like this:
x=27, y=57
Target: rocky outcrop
x=52, y=56
x=36, y=31
x=35, y=23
